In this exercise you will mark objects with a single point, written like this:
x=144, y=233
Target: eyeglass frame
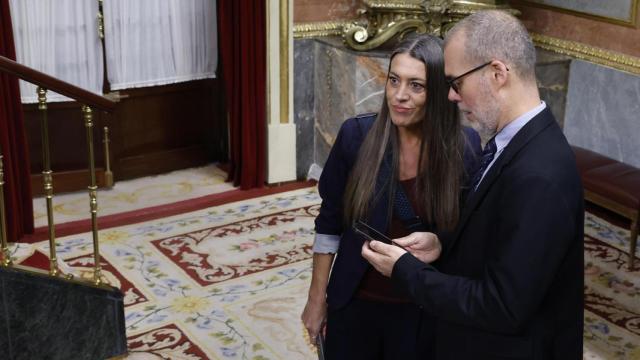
x=452, y=82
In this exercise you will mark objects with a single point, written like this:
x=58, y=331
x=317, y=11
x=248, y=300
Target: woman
x=413, y=150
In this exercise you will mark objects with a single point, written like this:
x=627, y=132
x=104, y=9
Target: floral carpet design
x=612, y=293
x=226, y=252
x=230, y=282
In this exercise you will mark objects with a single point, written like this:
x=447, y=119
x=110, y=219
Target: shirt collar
x=508, y=132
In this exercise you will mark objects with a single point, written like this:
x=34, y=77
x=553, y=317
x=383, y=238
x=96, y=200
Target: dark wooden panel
x=162, y=161
x=67, y=146
x=170, y=127
x=67, y=136
x=153, y=130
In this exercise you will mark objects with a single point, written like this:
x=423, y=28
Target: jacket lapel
x=520, y=140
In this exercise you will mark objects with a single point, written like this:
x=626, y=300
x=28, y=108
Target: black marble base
x=50, y=318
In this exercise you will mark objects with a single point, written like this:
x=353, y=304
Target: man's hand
x=382, y=256
x=423, y=245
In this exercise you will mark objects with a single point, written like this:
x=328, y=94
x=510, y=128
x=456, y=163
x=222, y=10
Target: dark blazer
x=510, y=281
x=349, y=265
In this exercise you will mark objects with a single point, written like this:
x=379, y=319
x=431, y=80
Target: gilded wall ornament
x=383, y=21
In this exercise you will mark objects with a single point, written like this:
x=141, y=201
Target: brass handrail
x=61, y=87
x=47, y=179
x=44, y=83
x=93, y=200
x=4, y=251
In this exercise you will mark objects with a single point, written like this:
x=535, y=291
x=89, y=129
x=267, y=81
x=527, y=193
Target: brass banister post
x=48, y=180
x=6, y=257
x=108, y=174
x=93, y=201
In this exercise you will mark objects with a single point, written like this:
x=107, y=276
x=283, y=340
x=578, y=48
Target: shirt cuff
x=326, y=244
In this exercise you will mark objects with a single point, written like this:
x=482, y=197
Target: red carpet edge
x=161, y=211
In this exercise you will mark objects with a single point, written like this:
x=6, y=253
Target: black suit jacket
x=510, y=281
x=349, y=266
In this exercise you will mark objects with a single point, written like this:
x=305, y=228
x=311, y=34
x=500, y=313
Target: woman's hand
x=314, y=315
x=423, y=245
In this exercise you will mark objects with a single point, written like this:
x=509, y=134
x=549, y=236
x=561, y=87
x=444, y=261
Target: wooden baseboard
x=161, y=162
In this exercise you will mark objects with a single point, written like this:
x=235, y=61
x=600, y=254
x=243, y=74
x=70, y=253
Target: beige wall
x=598, y=33
x=324, y=10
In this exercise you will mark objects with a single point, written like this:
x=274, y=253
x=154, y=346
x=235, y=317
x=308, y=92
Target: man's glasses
x=455, y=82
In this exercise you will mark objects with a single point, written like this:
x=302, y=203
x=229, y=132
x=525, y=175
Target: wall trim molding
x=573, y=49
x=589, y=53
x=319, y=29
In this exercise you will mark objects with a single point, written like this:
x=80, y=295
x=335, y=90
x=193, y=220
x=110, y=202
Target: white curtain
x=155, y=42
x=59, y=38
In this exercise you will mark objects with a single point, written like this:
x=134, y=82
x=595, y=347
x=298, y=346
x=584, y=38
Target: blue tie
x=487, y=156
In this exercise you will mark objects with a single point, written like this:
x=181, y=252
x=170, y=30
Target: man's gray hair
x=496, y=35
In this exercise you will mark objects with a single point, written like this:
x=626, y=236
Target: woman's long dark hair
x=440, y=166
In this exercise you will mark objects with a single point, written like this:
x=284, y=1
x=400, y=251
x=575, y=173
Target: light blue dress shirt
x=508, y=132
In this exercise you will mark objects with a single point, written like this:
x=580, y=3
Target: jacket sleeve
x=329, y=223
x=533, y=235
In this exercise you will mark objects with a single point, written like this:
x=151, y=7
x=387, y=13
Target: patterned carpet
x=135, y=194
x=612, y=293
x=229, y=282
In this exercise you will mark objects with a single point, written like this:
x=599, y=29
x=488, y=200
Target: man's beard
x=487, y=115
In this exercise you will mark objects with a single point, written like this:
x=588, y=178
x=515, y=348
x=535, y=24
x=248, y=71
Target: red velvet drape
x=17, y=187
x=242, y=35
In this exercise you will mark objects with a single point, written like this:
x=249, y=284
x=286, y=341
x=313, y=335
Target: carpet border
x=161, y=211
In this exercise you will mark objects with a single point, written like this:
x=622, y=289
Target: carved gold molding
x=571, y=48
x=284, y=61
x=590, y=53
x=319, y=29
x=387, y=5
x=383, y=21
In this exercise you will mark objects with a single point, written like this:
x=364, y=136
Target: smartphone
x=370, y=233
x=320, y=343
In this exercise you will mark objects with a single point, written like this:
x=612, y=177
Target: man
x=509, y=281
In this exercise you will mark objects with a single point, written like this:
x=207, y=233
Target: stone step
x=54, y=318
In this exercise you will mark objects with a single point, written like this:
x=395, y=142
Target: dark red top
x=375, y=286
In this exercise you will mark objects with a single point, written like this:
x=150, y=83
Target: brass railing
x=6, y=258
x=44, y=83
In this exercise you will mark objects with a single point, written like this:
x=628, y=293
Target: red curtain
x=242, y=35
x=17, y=187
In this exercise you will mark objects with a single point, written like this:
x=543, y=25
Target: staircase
x=46, y=317
x=45, y=314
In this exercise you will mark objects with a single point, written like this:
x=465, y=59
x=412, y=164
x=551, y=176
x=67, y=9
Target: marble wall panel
x=334, y=83
x=347, y=83
x=303, y=104
x=552, y=74
x=334, y=95
x=603, y=110
x=371, y=74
